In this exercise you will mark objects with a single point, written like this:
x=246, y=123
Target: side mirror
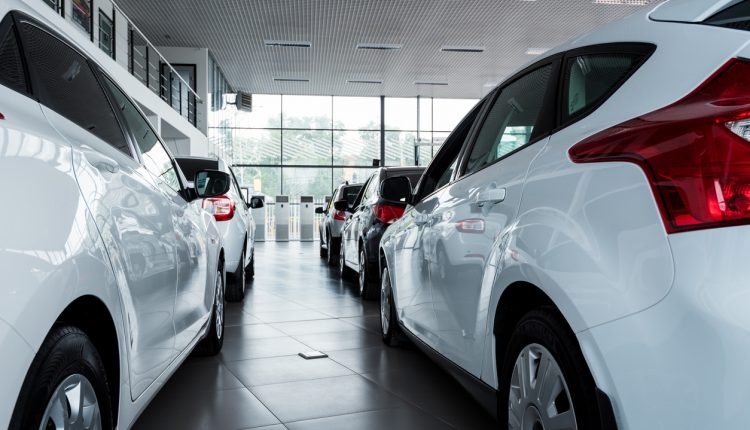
x=396, y=189
x=319, y=210
x=211, y=183
x=341, y=205
x=255, y=203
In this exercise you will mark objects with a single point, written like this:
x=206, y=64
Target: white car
x=599, y=201
x=110, y=276
x=333, y=221
x=235, y=219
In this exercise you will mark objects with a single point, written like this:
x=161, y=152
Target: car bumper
x=336, y=226
x=682, y=363
x=17, y=357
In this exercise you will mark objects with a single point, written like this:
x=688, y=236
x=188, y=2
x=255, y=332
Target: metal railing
x=133, y=51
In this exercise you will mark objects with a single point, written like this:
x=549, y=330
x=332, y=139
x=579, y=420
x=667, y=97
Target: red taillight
x=223, y=207
x=696, y=152
x=339, y=215
x=388, y=214
x=2, y=116
x=472, y=225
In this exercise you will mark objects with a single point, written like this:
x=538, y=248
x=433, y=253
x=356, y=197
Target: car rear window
x=11, y=67
x=190, y=166
x=736, y=16
x=413, y=175
x=350, y=193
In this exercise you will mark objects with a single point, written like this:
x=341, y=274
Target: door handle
x=100, y=161
x=490, y=196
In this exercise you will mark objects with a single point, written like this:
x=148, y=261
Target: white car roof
x=689, y=10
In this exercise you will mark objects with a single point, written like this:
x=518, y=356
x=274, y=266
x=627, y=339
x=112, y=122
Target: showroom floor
x=295, y=304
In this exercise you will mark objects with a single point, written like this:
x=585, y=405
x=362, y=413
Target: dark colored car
x=371, y=215
x=333, y=220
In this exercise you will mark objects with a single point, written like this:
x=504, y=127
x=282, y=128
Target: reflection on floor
x=296, y=303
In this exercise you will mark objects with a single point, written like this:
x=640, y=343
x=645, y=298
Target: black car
x=371, y=215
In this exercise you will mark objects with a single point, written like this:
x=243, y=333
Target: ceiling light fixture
x=430, y=83
x=287, y=43
x=362, y=81
x=379, y=46
x=454, y=48
x=291, y=80
x=536, y=51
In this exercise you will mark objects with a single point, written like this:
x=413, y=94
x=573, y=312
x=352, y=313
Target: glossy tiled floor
x=296, y=303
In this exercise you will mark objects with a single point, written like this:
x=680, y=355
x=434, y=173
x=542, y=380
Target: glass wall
x=307, y=145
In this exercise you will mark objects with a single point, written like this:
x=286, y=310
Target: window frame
x=33, y=78
x=547, y=116
x=645, y=50
x=439, y=159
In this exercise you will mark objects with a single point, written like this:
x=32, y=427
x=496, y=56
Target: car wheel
x=389, y=328
x=323, y=251
x=367, y=290
x=214, y=340
x=343, y=270
x=546, y=382
x=250, y=269
x=66, y=386
x=332, y=248
x=236, y=288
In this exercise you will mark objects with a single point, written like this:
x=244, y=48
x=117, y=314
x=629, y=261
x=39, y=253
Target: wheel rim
x=342, y=268
x=73, y=406
x=362, y=269
x=539, y=398
x=243, y=276
x=385, y=304
x=219, y=305
x=330, y=249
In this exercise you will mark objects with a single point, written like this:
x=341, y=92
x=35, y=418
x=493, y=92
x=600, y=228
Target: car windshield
x=350, y=193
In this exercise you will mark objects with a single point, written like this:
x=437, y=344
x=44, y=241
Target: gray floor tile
x=379, y=359
x=203, y=376
x=367, y=322
x=296, y=401
x=291, y=368
x=234, y=317
x=392, y=419
x=298, y=315
x=261, y=348
x=315, y=326
x=254, y=331
x=356, y=338
x=227, y=409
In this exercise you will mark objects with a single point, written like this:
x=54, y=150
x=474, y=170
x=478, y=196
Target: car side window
x=334, y=197
x=440, y=171
x=511, y=123
x=588, y=79
x=371, y=187
x=156, y=159
x=361, y=196
x=11, y=65
x=66, y=83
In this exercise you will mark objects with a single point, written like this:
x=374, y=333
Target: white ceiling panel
x=243, y=36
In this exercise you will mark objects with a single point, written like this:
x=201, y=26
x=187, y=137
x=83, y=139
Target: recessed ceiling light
x=454, y=48
x=623, y=2
x=362, y=81
x=430, y=83
x=291, y=80
x=379, y=46
x=536, y=51
x=287, y=43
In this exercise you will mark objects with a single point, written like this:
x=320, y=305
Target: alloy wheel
x=385, y=305
x=219, y=305
x=342, y=262
x=539, y=397
x=362, y=270
x=73, y=406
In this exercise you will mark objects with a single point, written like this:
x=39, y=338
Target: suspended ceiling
x=236, y=31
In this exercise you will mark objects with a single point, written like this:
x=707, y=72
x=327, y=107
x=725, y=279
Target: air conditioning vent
x=244, y=101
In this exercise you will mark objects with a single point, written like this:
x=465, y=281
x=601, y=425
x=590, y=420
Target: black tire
x=333, y=250
x=214, y=340
x=236, y=289
x=66, y=351
x=368, y=288
x=323, y=251
x=391, y=332
x=546, y=327
x=250, y=269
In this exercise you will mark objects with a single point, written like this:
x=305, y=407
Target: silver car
x=333, y=220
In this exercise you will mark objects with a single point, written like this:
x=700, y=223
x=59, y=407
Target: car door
x=411, y=270
x=133, y=217
x=187, y=238
x=468, y=218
